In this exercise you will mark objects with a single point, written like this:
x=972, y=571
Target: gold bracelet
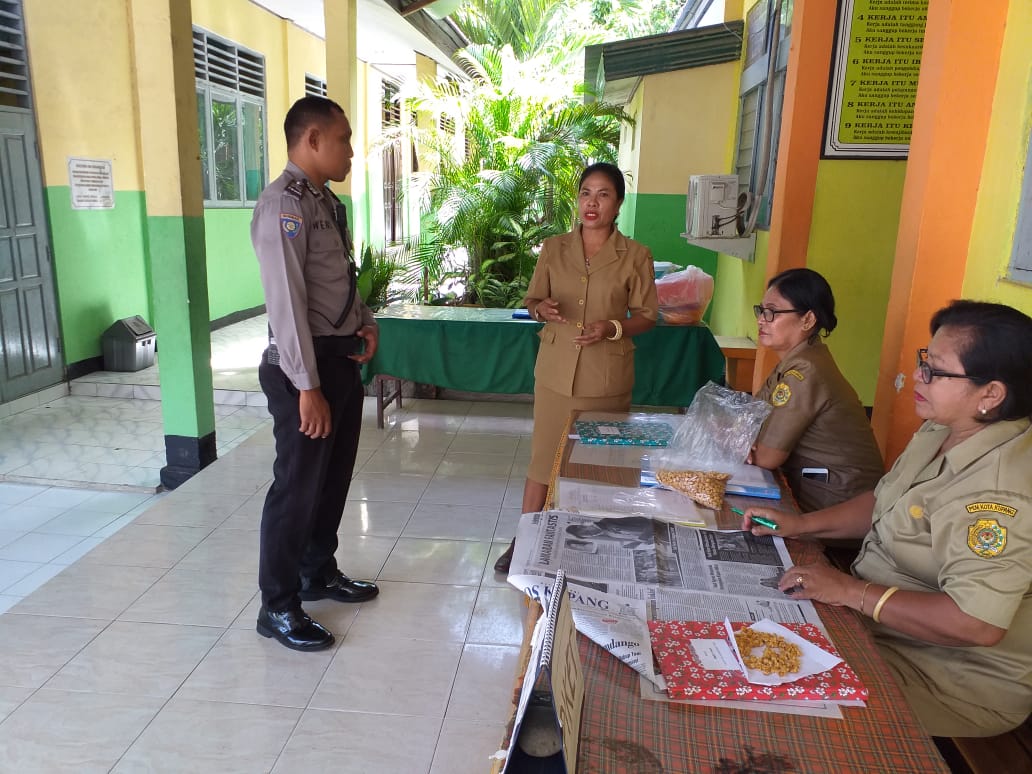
x=881, y=602
x=863, y=597
x=619, y=331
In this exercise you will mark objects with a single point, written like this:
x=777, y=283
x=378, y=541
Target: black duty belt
x=337, y=346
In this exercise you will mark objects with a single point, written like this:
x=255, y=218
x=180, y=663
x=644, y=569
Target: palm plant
x=376, y=275
x=511, y=181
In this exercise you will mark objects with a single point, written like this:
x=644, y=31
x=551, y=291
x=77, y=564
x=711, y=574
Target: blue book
x=753, y=481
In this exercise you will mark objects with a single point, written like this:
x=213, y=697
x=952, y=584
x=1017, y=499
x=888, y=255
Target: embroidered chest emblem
x=916, y=512
x=780, y=395
x=987, y=538
x=291, y=224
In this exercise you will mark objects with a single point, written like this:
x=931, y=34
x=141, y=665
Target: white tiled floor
x=138, y=652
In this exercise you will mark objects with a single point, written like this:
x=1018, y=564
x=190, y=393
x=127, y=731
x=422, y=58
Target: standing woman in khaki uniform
x=594, y=289
x=945, y=570
x=817, y=421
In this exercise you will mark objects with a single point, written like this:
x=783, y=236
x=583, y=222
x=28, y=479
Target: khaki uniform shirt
x=961, y=523
x=818, y=419
x=621, y=278
x=304, y=266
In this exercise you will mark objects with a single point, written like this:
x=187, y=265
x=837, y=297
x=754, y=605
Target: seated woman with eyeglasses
x=945, y=570
x=818, y=424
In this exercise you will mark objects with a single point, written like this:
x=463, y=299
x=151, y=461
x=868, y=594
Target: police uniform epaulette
x=295, y=189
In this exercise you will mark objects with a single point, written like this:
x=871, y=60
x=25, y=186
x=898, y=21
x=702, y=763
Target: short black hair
x=305, y=112
x=808, y=291
x=609, y=170
x=996, y=346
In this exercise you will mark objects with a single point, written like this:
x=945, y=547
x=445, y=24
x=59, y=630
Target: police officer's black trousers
x=310, y=481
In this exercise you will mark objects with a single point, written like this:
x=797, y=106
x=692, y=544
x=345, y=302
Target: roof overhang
x=615, y=69
x=384, y=36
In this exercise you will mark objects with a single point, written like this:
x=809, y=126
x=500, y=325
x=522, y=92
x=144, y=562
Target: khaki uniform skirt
x=551, y=412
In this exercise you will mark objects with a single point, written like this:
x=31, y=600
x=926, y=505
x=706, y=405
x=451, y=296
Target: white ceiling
x=384, y=37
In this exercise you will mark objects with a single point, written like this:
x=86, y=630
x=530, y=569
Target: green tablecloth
x=486, y=350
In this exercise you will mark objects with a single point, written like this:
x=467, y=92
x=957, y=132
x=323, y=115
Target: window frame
x=393, y=162
x=213, y=91
x=1019, y=268
x=753, y=83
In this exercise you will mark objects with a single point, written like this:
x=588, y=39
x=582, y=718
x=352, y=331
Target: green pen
x=758, y=519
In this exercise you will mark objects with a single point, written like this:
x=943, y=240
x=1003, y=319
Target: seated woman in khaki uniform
x=594, y=289
x=817, y=422
x=946, y=563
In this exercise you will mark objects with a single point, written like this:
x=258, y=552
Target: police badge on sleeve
x=291, y=224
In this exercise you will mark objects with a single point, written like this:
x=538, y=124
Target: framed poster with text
x=874, y=72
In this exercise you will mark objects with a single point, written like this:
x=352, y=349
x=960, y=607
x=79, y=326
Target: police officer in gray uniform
x=320, y=331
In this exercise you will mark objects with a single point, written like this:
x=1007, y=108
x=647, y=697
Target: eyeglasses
x=928, y=373
x=768, y=314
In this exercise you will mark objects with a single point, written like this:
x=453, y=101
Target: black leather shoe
x=502, y=565
x=294, y=629
x=341, y=589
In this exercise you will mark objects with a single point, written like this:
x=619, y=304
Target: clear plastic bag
x=712, y=441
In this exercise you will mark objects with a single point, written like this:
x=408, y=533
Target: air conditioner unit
x=712, y=208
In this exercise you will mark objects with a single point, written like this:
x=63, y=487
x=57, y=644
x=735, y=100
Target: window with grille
x=231, y=118
x=446, y=123
x=393, y=223
x=760, y=31
x=1021, y=256
x=14, y=66
x=314, y=86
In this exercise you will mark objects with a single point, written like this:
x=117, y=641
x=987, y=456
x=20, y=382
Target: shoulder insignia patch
x=295, y=189
x=916, y=512
x=291, y=224
x=780, y=395
x=795, y=373
x=986, y=538
x=1006, y=510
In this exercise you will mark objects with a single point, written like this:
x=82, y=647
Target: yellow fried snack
x=705, y=488
x=779, y=656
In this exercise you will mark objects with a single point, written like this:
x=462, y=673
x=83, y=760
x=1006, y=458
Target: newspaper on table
x=623, y=572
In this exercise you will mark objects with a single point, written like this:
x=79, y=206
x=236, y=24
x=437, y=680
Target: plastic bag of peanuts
x=712, y=441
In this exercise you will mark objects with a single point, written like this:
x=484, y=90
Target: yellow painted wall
x=853, y=243
x=738, y=285
x=630, y=142
x=992, y=234
x=83, y=87
x=687, y=126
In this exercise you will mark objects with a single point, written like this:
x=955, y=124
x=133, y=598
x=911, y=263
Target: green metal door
x=30, y=357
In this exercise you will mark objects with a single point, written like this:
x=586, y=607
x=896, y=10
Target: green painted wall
x=233, y=279
x=102, y=275
x=853, y=244
x=738, y=286
x=658, y=222
x=99, y=267
x=628, y=210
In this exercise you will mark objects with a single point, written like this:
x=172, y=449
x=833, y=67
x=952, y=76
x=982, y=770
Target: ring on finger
x=799, y=581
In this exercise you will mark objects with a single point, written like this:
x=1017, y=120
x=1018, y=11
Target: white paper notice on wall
x=91, y=183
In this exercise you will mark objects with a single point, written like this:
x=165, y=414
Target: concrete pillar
x=162, y=48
